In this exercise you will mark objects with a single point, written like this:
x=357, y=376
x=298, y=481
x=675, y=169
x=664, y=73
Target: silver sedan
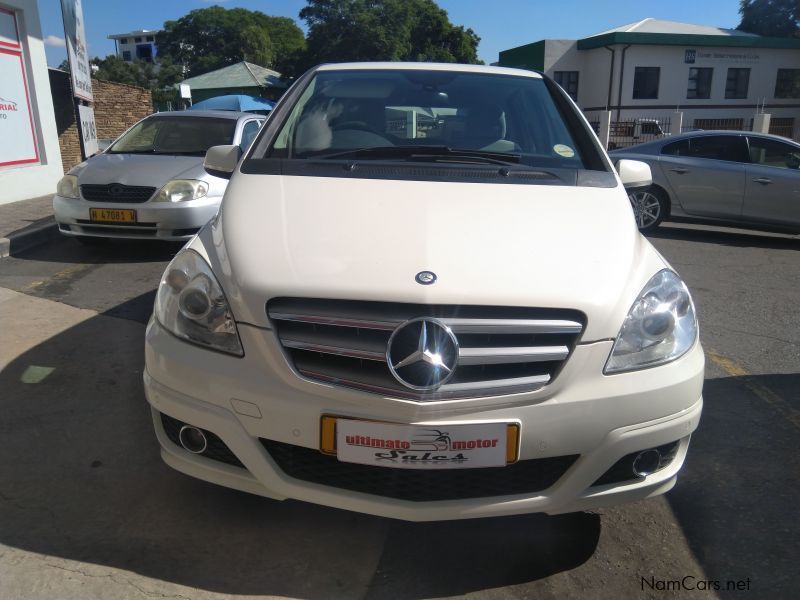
x=731, y=177
x=150, y=183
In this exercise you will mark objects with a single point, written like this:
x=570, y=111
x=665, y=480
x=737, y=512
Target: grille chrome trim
x=493, y=356
x=502, y=349
x=351, y=352
x=512, y=326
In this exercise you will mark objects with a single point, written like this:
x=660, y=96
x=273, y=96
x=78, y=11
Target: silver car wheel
x=646, y=208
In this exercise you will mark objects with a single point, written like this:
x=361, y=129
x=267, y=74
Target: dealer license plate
x=420, y=446
x=112, y=215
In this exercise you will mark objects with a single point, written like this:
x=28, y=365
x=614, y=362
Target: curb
x=28, y=239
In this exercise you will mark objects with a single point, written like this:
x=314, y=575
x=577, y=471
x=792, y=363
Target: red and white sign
x=17, y=137
x=421, y=446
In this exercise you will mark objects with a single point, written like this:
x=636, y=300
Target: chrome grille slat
x=502, y=349
x=351, y=352
x=512, y=326
x=493, y=355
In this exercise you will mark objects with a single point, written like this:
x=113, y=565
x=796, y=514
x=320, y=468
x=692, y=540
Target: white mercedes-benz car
x=425, y=297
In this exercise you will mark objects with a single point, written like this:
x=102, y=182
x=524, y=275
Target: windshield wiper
x=426, y=153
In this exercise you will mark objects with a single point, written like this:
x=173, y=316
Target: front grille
x=501, y=349
x=215, y=448
x=523, y=477
x=117, y=192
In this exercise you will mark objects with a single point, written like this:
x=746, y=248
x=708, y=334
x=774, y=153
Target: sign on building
x=77, y=50
x=88, y=130
x=17, y=136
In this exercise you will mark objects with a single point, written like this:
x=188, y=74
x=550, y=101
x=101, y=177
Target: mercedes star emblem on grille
x=422, y=353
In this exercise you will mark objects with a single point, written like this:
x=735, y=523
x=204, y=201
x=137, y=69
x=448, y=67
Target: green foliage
x=411, y=30
x=211, y=38
x=141, y=73
x=776, y=18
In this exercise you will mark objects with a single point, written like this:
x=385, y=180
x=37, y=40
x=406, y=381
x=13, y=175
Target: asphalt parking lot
x=88, y=510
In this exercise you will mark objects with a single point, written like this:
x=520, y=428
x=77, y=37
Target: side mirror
x=634, y=174
x=221, y=161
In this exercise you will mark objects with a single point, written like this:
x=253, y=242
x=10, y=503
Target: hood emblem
x=425, y=277
x=422, y=353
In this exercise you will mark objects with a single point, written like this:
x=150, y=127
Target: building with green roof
x=239, y=78
x=654, y=67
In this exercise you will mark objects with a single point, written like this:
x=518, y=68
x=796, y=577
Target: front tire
x=649, y=208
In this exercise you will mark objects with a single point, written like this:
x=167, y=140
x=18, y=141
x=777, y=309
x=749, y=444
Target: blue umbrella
x=235, y=102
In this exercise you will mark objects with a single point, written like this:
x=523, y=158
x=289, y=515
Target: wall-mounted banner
x=17, y=137
x=77, y=51
x=88, y=130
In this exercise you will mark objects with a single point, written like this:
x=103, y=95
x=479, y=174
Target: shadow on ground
x=725, y=237
x=70, y=250
x=736, y=499
x=82, y=479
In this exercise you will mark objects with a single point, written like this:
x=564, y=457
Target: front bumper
x=259, y=396
x=154, y=220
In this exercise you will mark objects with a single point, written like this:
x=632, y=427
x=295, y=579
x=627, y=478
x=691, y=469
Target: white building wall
x=18, y=182
x=674, y=78
x=563, y=55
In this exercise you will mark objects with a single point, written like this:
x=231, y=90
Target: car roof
x=661, y=142
x=219, y=114
x=425, y=66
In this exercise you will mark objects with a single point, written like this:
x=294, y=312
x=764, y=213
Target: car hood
x=489, y=244
x=138, y=169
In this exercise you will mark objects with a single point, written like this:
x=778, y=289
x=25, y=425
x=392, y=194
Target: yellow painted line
x=781, y=406
x=59, y=276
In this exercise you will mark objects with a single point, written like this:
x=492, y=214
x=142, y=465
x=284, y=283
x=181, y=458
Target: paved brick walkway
x=16, y=217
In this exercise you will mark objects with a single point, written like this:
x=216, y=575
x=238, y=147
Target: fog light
x=646, y=462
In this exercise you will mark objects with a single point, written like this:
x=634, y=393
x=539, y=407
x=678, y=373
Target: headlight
x=179, y=190
x=68, y=187
x=190, y=303
x=660, y=327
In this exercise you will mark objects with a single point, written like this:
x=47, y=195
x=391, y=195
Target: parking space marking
x=781, y=406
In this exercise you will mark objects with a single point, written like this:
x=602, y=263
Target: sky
x=501, y=24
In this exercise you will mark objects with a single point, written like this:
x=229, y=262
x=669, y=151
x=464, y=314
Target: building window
x=699, y=83
x=126, y=55
x=645, y=83
x=568, y=80
x=787, y=85
x=137, y=40
x=123, y=40
x=737, y=83
x=144, y=52
x=149, y=38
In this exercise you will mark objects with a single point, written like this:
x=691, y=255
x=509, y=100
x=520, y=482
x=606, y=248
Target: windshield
x=175, y=135
x=384, y=114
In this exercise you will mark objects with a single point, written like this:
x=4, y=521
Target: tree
x=141, y=73
x=777, y=18
x=413, y=30
x=206, y=39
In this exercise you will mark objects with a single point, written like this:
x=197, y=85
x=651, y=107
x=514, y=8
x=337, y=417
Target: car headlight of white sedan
x=68, y=187
x=180, y=190
x=661, y=326
x=191, y=304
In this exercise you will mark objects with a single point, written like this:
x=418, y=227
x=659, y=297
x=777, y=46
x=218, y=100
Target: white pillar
x=411, y=124
x=761, y=123
x=604, y=130
x=676, y=123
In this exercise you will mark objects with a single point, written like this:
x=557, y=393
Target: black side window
x=719, y=147
x=680, y=148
